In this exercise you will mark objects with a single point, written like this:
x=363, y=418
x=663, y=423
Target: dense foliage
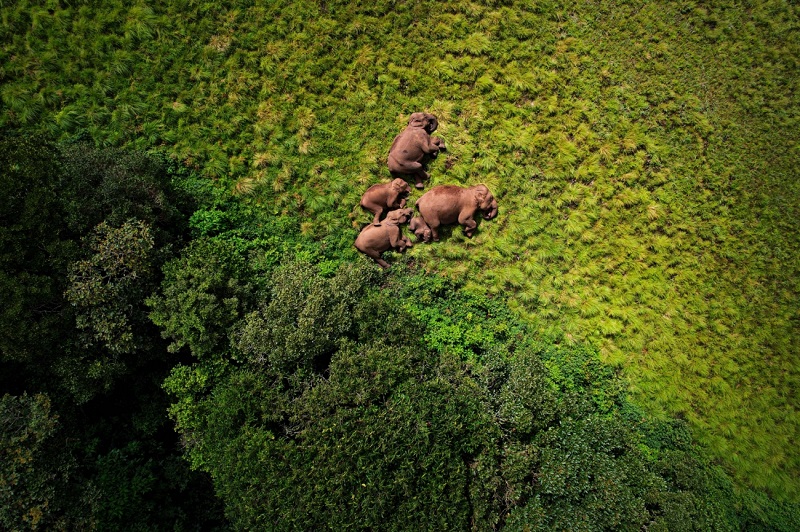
x=84, y=441
x=337, y=404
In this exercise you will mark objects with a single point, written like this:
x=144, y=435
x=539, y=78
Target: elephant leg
x=414, y=168
x=434, y=231
x=374, y=255
x=419, y=176
x=375, y=209
x=469, y=224
x=376, y=221
x=469, y=228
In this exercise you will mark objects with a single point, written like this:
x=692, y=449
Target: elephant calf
x=418, y=226
x=448, y=204
x=374, y=240
x=412, y=145
x=384, y=197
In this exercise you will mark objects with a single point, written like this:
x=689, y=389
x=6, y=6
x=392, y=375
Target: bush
x=204, y=292
x=27, y=485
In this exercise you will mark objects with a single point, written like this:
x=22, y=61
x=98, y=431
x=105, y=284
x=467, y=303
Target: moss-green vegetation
x=644, y=156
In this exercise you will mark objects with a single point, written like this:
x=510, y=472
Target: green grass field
x=645, y=157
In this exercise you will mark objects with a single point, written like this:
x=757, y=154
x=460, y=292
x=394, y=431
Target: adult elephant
x=413, y=146
x=449, y=204
x=375, y=239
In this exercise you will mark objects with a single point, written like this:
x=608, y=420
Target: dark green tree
x=33, y=474
x=35, y=249
x=84, y=233
x=204, y=293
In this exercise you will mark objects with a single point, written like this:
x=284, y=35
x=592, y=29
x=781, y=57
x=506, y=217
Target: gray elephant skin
x=374, y=240
x=382, y=198
x=411, y=148
x=450, y=204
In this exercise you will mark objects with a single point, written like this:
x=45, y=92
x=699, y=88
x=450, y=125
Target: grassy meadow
x=644, y=155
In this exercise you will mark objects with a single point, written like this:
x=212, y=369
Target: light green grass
x=644, y=156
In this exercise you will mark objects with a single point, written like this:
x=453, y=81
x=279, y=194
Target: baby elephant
x=384, y=197
x=374, y=240
x=412, y=145
x=448, y=204
x=418, y=226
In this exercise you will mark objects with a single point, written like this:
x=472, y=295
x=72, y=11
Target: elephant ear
x=399, y=185
x=481, y=193
x=432, y=123
x=417, y=120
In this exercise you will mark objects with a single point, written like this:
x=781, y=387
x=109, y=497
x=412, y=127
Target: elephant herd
x=441, y=205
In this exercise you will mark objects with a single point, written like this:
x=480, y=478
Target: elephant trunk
x=491, y=212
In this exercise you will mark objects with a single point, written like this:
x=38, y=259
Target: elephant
x=448, y=204
x=374, y=240
x=407, y=155
x=384, y=197
x=418, y=226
